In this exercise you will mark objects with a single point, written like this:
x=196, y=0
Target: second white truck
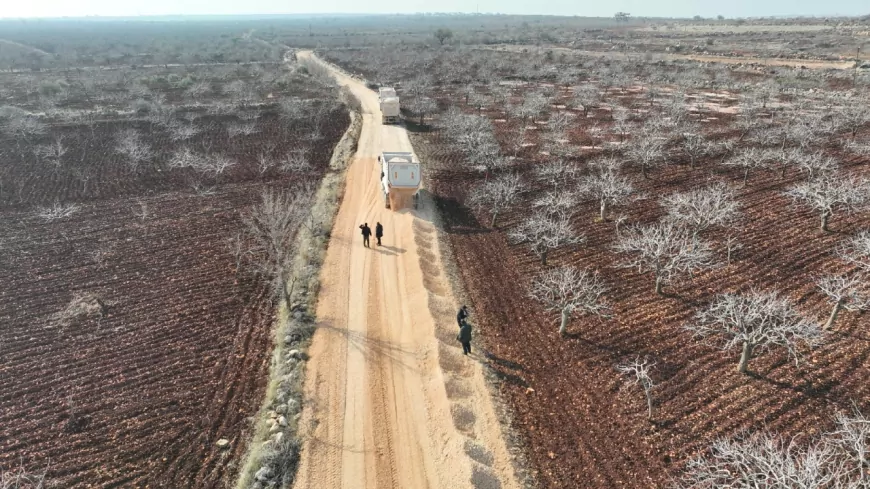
x=400, y=179
x=389, y=105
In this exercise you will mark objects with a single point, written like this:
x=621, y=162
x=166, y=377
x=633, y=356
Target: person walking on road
x=464, y=337
x=379, y=232
x=462, y=315
x=366, y=232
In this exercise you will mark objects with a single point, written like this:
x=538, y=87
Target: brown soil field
x=135, y=390
x=583, y=424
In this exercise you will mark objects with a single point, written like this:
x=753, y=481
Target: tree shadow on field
x=414, y=126
x=458, y=219
x=808, y=388
x=373, y=348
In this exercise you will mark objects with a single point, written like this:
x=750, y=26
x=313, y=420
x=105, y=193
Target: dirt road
x=390, y=402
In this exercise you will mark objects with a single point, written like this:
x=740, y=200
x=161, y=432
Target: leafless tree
x=57, y=211
x=567, y=290
x=53, y=152
x=850, y=292
x=182, y=132
x=533, y=105
x=755, y=320
x=241, y=129
x=557, y=173
x=131, y=145
x=751, y=159
x=646, y=152
x=813, y=165
x=497, y=194
x=695, y=146
x=586, y=97
x=606, y=186
x=272, y=226
x=545, y=232
x=22, y=479
x=703, y=208
x=763, y=460
x=732, y=245
x=853, y=437
x=296, y=160
x=857, y=251
x=831, y=192
x=665, y=250
x=639, y=371
x=852, y=117
x=479, y=101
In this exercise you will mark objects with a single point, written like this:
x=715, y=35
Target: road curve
x=390, y=402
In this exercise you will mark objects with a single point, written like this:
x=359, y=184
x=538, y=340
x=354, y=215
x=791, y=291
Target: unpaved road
x=390, y=402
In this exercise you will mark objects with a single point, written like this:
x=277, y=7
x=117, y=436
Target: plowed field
x=136, y=393
x=583, y=424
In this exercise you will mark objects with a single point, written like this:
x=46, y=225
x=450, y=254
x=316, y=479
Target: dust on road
x=390, y=402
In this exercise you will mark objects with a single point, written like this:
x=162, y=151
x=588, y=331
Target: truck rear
x=400, y=179
x=389, y=102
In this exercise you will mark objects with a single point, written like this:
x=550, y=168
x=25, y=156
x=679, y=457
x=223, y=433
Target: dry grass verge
x=273, y=454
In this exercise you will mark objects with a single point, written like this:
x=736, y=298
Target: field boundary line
x=294, y=324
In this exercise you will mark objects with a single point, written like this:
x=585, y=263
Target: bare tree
x=272, y=226
x=567, y=290
x=22, y=479
x=297, y=160
x=830, y=193
x=57, y=211
x=606, y=186
x=762, y=460
x=750, y=159
x=701, y=209
x=557, y=173
x=853, y=437
x=639, y=371
x=53, y=152
x=665, y=250
x=755, y=320
x=857, y=250
x=853, y=117
x=695, y=146
x=544, y=232
x=130, y=145
x=848, y=292
x=813, y=165
x=646, y=152
x=497, y=194
x=586, y=96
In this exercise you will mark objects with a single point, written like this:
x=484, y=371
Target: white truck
x=400, y=179
x=389, y=105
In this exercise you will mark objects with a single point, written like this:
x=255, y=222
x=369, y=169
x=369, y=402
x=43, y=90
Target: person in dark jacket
x=464, y=337
x=462, y=315
x=379, y=232
x=366, y=232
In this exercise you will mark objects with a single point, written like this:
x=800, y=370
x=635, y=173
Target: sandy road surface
x=390, y=402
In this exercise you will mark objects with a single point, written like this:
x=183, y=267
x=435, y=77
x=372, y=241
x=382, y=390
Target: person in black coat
x=366, y=232
x=379, y=232
x=462, y=315
x=464, y=337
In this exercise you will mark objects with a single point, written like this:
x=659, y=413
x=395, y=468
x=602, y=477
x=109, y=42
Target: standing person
x=379, y=232
x=464, y=337
x=366, y=232
x=462, y=315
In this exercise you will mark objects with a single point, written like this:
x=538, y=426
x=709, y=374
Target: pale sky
x=588, y=8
